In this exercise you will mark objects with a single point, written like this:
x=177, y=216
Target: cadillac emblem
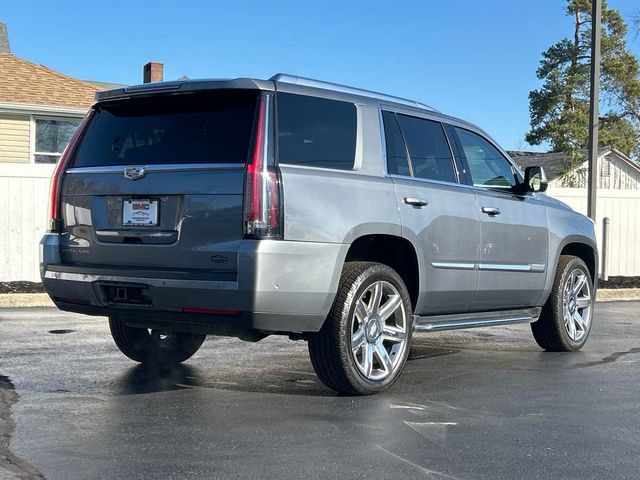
x=134, y=173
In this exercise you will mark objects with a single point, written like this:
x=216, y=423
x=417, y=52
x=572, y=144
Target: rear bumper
x=280, y=286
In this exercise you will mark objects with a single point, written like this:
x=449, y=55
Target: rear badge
x=134, y=173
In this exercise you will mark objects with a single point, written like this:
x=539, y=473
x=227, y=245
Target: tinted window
x=488, y=167
x=316, y=132
x=428, y=149
x=397, y=161
x=213, y=127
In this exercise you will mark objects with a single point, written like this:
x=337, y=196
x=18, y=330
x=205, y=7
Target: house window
x=52, y=137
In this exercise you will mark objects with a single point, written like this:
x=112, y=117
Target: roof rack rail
x=309, y=82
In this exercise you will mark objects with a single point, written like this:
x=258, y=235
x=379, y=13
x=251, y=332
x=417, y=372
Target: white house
x=39, y=111
x=615, y=169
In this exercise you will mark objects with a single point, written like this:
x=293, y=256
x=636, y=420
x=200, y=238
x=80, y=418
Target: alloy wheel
x=379, y=331
x=576, y=304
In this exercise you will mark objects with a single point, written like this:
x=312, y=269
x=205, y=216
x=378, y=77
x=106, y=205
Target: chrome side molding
x=512, y=267
x=454, y=265
x=503, y=267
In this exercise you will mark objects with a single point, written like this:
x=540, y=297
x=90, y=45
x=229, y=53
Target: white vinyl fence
x=24, y=191
x=622, y=207
x=24, y=196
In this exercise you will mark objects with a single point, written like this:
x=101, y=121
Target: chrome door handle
x=415, y=202
x=491, y=211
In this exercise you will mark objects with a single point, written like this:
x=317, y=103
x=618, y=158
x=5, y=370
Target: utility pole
x=594, y=111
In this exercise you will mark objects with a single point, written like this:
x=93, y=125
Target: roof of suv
x=250, y=83
x=291, y=82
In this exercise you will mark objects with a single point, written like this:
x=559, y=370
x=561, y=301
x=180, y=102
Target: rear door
x=437, y=213
x=157, y=182
x=513, y=228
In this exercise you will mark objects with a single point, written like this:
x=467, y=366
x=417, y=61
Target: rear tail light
x=55, y=215
x=262, y=212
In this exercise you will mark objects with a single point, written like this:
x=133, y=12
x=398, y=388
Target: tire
x=559, y=329
x=152, y=346
x=368, y=292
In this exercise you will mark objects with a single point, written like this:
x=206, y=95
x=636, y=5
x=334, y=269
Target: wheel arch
x=395, y=251
x=580, y=246
x=586, y=253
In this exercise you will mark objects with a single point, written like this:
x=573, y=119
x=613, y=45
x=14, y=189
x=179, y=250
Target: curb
x=617, y=294
x=8, y=300
x=13, y=300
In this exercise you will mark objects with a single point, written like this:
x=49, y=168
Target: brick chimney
x=4, y=39
x=152, y=72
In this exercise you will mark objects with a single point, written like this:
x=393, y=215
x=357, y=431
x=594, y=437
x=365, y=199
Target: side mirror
x=535, y=179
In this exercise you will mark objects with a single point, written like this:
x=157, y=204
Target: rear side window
x=316, y=132
x=428, y=149
x=208, y=127
x=488, y=167
x=397, y=160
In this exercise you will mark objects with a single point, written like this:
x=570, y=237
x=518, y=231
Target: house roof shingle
x=25, y=82
x=554, y=163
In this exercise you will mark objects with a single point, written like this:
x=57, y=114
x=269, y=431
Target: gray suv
x=339, y=216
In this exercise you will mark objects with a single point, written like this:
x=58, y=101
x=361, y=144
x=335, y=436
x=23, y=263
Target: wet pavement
x=476, y=404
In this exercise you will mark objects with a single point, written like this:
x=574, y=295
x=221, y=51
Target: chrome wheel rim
x=379, y=331
x=576, y=304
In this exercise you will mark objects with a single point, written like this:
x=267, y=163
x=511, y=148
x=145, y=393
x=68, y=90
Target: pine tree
x=560, y=108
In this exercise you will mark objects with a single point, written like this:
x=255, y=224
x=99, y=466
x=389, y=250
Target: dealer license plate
x=140, y=213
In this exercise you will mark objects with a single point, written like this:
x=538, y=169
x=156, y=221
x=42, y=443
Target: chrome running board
x=436, y=323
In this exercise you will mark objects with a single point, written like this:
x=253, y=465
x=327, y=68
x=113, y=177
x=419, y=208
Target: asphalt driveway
x=474, y=404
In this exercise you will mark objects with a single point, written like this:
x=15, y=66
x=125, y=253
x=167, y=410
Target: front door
x=513, y=229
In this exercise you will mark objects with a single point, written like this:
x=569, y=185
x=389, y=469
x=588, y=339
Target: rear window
x=208, y=127
x=428, y=149
x=316, y=132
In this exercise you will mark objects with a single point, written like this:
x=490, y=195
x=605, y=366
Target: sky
x=474, y=59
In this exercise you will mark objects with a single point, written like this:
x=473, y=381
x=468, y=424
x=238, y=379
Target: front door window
x=487, y=165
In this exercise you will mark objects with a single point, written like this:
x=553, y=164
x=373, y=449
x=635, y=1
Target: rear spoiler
x=185, y=86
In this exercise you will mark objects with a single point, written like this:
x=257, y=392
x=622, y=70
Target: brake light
x=55, y=217
x=262, y=186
